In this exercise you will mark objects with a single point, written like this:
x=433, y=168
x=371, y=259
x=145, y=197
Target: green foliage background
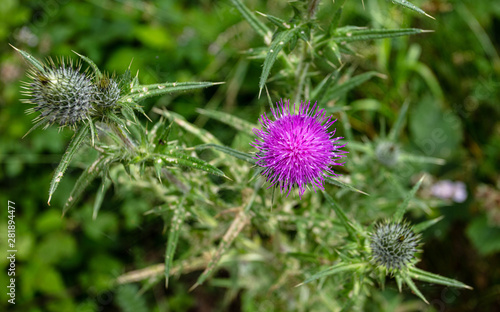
x=450, y=77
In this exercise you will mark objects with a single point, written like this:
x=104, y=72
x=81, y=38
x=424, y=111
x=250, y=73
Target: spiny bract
x=61, y=94
x=393, y=245
x=108, y=92
x=297, y=149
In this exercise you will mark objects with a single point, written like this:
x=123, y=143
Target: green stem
x=301, y=73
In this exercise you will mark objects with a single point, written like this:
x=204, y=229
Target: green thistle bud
x=61, y=94
x=108, y=92
x=394, y=245
x=387, y=153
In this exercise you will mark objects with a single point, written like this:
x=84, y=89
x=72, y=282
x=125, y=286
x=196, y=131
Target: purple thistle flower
x=295, y=150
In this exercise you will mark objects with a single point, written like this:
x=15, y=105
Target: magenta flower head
x=295, y=150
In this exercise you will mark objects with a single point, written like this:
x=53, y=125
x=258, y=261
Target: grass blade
x=398, y=126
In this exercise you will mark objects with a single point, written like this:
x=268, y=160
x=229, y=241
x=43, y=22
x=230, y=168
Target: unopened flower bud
x=61, y=94
x=394, y=245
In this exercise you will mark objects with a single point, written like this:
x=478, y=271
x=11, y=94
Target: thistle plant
x=388, y=248
x=89, y=103
x=323, y=251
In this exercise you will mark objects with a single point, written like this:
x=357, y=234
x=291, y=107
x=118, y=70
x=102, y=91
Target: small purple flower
x=297, y=149
x=447, y=189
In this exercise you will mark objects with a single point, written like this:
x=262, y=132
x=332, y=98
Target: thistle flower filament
x=296, y=150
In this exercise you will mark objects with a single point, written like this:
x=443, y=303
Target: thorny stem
x=301, y=73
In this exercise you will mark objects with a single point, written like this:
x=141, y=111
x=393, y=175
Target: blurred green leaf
x=339, y=90
x=129, y=299
x=485, y=237
x=256, y=24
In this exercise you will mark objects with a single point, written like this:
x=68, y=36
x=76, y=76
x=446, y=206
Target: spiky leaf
x=414, y=288
x=371, y=34
x=179, y=159
x=334, y=269
x=75, y=143
x=173, y=237
x=280, y=40
x=92, y=64
x=142, y=92
x=33, y=61
x=411, y=6
x=343, y=184
x=425, y=276
x=98, y=167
